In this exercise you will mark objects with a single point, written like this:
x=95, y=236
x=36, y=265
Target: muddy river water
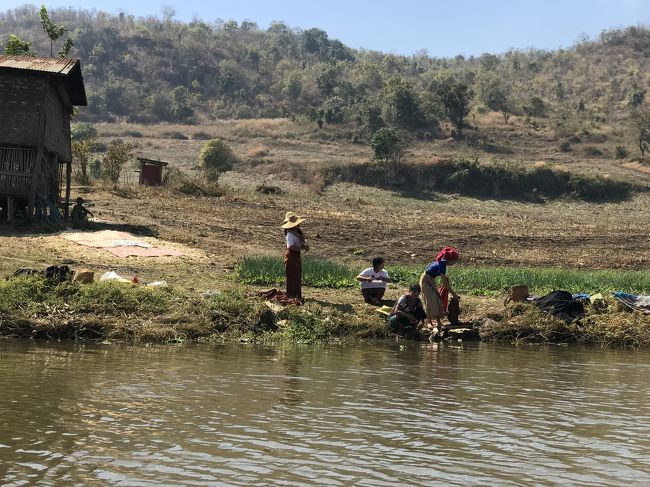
x=368, y=415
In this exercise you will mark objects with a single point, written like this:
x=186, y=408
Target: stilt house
x=37, y=96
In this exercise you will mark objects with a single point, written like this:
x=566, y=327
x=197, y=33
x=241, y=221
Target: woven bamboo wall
x=21, y=100
x=15, y=170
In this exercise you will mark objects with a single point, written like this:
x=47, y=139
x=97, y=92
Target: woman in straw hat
x=435, y=300
x=292, y=261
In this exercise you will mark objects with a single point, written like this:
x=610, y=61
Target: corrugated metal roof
x=68, y=69
x=42, y=64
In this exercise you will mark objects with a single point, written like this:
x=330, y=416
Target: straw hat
x=291, y=220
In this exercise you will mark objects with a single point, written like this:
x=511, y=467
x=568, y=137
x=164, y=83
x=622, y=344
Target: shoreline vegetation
x=33, y=307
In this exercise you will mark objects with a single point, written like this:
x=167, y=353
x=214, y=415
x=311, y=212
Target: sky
x=444, y=28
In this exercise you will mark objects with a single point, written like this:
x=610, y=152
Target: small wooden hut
x=37, y=96
x=151, y=172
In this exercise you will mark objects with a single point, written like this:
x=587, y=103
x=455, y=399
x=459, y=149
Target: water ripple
x=378, y=415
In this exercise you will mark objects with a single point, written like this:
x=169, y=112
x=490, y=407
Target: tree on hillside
x=117, y=155
x=17, y=47
x=370, y=115
x=641, y=124
x=314, y=40
x=388, y=146
x=327, y=79
x=180, y=108
x=451, y=98
x=333, y=110
x=292, y=84
x=84, y=142
x=402, y=104
x=634, y=97
x=535, y=107
x=81, y=152
x=54, y=31
x=493, y=94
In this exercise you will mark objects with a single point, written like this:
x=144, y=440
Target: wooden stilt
x=68, y=179
x=10, y=208
x=38, y=162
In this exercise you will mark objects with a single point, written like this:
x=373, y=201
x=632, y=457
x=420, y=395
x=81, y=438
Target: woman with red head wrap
x=435, y=300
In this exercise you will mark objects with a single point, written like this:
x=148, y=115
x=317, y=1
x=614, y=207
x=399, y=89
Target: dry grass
x=258, y=151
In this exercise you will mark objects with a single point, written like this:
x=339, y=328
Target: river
x=367, y=415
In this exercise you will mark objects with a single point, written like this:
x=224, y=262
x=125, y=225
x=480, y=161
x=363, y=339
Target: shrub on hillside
x=591, y=151
x=216, y=157
x=174, y=134
x=498, y=180
x=621, y=152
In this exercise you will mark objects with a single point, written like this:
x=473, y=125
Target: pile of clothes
x=562, y=305
x=569, y=307
x=635, y=302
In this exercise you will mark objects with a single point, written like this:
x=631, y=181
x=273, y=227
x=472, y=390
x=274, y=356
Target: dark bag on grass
x=59, y=273
x=561, y=305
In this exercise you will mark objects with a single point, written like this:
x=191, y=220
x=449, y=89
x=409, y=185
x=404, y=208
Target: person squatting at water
x=292, y=259
x=408, y=311
x=373, y=281
x=436, y=300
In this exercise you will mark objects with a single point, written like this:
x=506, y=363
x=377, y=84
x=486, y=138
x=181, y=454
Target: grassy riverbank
x=36, y=308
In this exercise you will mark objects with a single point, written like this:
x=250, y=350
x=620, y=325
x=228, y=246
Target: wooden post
x=10, y=208
x=68, y=179
x=38, y=163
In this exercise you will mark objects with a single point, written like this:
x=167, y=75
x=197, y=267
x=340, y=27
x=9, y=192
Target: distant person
x=374, y=281
x=408, y=311
x=435, y=300
x=79, y=212
x=292, y=258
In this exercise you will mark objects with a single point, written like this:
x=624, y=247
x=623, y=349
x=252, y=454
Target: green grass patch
x=464, y=279
x=315, y=272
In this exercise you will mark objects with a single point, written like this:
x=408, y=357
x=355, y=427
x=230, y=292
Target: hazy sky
x=443, y=28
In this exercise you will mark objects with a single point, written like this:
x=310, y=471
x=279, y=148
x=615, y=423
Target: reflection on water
x=376, y=415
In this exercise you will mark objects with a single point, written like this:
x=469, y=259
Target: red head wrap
x=447, y=253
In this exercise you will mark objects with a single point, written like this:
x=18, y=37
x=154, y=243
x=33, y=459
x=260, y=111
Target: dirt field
x=345, y=222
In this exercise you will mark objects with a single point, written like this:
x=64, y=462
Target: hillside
x=151, y=70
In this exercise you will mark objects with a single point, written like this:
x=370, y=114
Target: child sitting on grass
x=373, y=282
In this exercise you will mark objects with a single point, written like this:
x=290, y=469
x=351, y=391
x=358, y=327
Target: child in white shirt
x=374, y=282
